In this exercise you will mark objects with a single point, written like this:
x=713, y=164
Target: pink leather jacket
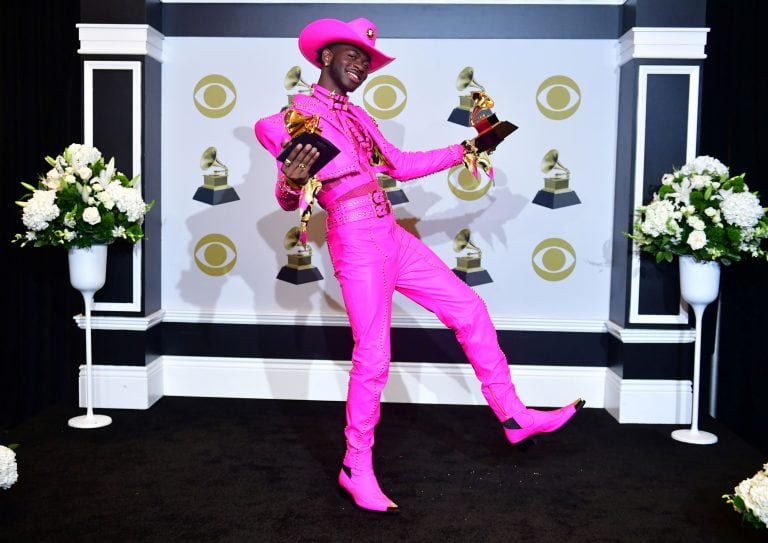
x=348, y=170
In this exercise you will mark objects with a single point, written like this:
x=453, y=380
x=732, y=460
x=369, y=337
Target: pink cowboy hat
x=358, y=32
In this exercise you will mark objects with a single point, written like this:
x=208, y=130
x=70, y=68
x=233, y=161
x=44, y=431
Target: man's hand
x=296, y=166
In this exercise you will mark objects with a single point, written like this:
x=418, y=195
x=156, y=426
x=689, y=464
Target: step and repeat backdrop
x=534, y=241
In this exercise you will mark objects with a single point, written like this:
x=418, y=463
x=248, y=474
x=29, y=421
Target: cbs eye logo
x=558, y=97
x=215, y=255
x=384, y=97
x=553, y=259
x=214, y=96
x=466, y=186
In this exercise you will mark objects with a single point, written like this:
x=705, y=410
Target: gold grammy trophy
x=475, y=110
x=215, y=189
x=556, y=192
x=299, y=269
x=293, y=80
x=461, y=114
x=468, y=267
x=395, y=194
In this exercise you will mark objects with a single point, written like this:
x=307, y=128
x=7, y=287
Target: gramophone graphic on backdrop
x=468, y=267
x=299, y=269
x=293, y=81
x=215, y=189
x=474, y=109
x=556, y=192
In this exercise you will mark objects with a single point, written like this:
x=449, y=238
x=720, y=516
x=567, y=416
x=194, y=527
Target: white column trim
x=120, y=39
x=666, y=43
x=690, y=153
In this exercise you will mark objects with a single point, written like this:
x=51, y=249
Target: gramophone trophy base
x=215, y=190
x=468, y=269
x=461, y=115
x=556, y=199
x=395, y=194
x=299, y=276
x=299, y=270
x=215, y=196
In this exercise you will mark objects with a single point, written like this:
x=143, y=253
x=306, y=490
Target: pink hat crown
x=359, y=32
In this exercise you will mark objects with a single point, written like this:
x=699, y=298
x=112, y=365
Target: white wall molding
x=625, y=335
x=651, y=335
x=133, y=324
x=531, y=324
x=666, y=43
x=120, y=39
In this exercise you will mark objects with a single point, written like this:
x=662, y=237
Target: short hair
x=323, y=48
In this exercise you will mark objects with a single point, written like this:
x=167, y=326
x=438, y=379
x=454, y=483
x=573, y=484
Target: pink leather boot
x=366, y=381
x=529, y=422
x=478, y=338
x=361, y=483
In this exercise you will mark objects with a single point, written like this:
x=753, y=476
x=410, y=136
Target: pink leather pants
x=373, y=257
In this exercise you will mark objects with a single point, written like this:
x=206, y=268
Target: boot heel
x=526, y=445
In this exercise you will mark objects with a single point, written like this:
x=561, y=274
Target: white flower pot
x=699, y=280
x=88, y=267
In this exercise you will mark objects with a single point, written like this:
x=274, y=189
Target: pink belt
x=375, y=204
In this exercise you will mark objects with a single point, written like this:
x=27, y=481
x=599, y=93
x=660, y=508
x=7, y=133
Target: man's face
x=349, y=66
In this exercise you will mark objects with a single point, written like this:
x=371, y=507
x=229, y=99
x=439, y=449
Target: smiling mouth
x=354, y=77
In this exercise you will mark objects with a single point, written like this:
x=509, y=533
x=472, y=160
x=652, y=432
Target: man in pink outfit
x=372, y=255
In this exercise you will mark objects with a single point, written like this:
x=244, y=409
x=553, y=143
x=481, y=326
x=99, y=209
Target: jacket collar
x=330, y=98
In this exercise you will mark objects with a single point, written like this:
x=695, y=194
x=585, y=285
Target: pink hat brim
x=322, y=32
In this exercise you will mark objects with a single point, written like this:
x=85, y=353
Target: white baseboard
x=409, y=382
x=123, y=387
x=648, y=401
x=138, y=387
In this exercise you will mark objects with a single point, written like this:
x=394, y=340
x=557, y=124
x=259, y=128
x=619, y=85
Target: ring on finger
x=287, y=161
x=302, y=166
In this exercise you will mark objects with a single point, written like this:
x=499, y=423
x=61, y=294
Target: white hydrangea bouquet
x=8, y=471
x=82, y=201
x=750, y=499
x=701, y=211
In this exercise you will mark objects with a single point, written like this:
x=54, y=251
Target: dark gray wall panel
x=397, y=20
x=112, y=131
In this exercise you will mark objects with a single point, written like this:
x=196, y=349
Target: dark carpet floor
x=204, y=469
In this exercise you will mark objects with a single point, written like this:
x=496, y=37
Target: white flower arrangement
x=82, y=201
x=8, y=471
x=701, y=211
x=750, y=498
